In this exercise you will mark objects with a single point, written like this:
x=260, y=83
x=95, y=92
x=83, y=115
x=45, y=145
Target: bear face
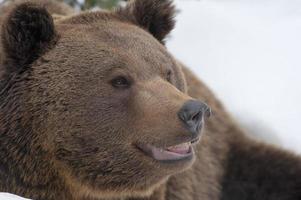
x=101, y=95
x=119, y=100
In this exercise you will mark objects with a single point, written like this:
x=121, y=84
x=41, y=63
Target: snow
x=6, y=196
x=248, y=52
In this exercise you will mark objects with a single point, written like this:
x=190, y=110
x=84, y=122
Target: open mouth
x=178, y=152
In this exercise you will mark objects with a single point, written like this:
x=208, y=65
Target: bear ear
x=27, y=32
x=156, y=16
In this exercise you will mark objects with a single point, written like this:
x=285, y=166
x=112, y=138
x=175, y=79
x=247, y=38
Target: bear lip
x=178, y=152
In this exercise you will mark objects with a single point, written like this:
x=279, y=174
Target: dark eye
x=168, y=76
x=120, y=82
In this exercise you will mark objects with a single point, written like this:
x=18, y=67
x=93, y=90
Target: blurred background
x=248, y=52
x=87, y=4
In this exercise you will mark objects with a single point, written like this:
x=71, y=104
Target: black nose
x=192, y=114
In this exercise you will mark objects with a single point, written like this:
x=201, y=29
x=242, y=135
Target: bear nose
x=192, y=114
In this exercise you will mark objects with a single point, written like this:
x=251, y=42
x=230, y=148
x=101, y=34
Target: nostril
x=197, y=116
x=194, y=118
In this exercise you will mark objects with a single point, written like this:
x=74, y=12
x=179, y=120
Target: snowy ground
x=6, y=196
x=248, y=52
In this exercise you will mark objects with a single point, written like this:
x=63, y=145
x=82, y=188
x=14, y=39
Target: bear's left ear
x=155, y=16
x=27, y=32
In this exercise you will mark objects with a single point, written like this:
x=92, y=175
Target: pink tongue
x=172, y=153
x=179, y=150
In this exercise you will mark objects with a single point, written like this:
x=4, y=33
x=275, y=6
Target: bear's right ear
x=27, y=33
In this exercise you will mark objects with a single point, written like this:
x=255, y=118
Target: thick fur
x=257, y=171
x=65, y=134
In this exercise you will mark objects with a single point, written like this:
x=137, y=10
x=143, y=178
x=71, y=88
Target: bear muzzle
x=192, y=115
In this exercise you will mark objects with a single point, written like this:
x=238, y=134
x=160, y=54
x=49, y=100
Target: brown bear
x=92, y=106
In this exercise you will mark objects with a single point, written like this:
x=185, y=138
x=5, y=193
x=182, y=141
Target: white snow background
x=248, y=52
x=6, y=196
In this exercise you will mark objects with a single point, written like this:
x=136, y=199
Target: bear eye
x=168, y=75
x=121, y=82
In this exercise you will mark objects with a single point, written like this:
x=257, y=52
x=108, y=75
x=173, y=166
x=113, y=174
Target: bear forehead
x=118, y=40
x=102, y=27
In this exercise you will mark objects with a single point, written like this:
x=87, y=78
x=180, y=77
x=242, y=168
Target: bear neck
x=25, y=167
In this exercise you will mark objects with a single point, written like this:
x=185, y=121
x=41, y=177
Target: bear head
x=100, y=95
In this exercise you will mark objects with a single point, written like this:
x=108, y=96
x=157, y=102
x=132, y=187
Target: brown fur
x=65, y=133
